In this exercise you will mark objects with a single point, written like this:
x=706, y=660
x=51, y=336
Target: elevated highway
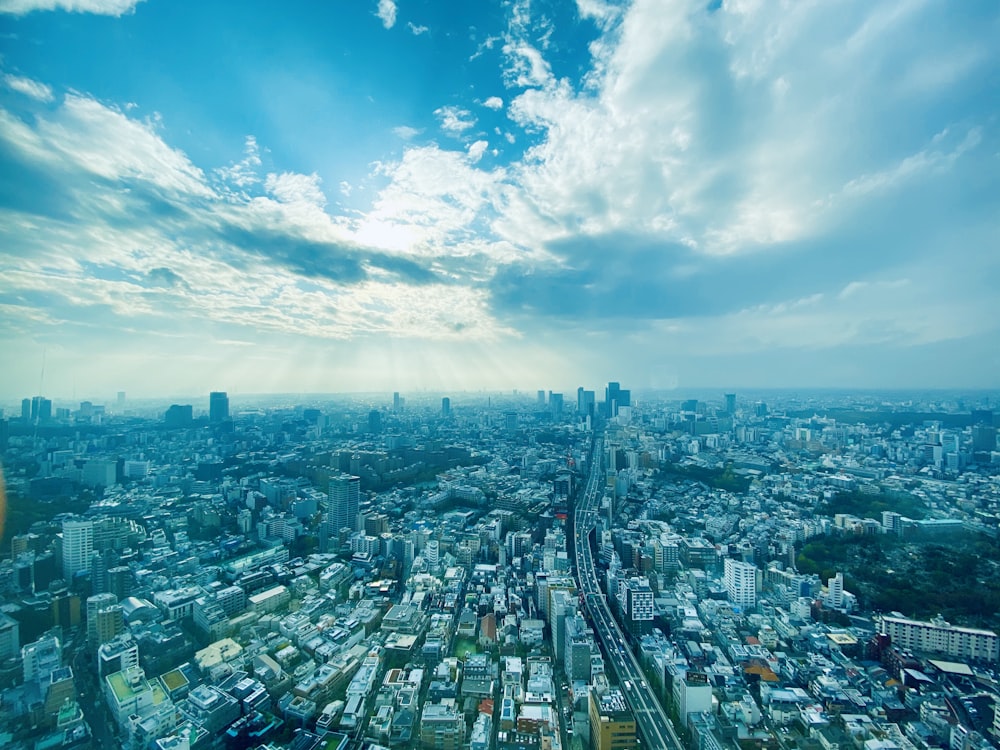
x=655, y=729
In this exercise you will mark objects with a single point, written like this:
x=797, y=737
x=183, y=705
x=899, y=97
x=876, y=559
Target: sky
x=378, y=195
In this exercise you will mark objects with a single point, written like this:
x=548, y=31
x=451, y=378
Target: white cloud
x=245, y=172
x=494, y=102
x=289, y=187
x=406, y=132
x=387, y=13
x=28, y=87
x=99, y=7
x=416, y=30
x=477, y=149
x=455, y=120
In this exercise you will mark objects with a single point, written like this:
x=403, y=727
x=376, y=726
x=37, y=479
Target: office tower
x=555, y=402
x=612, y=394
x=77, y=546
x=636, y=598
x=730, y=403
x=121, y=400
x=179, y=415
x=395, y=401
x=984, y=438
x=218, y=406
x=445, y=406
x=982, y=416
x=541, y=398
x=612, y=724
x=26, y=409
x=375, y=421
x=740, y=579
x=41, y=409
x=344, y=500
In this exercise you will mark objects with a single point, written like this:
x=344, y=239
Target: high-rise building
x=218, y=406
x=96, y=604
x=541, y=398
x=445, y=407
x=375, y=421
x=179, y=415
x=835, y=591
x=730, y=403
x=612, y=394
x=39, y=409
x=555, y=402
x=636, y=598
x=77, y=546
x=612, y=724
x=121, y=400
x=10, y=643
x=344, y=502
x=740, y=579
x=395, y=401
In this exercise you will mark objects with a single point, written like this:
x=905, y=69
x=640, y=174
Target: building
x=442, y=726
x=77, y=546
x=117, y=655
x=179, y=415
x=10, y=637
x=740, y=579
x=218, y=406
x=612, y=725
x=41, y=658
x=939, y=637
x=344, y=501
x=636, y=598
x=104, y=618
x=445, y=407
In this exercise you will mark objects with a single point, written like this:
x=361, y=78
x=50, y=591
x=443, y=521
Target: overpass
x=655, y=729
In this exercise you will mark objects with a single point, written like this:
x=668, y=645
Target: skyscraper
x=77, y=545
x=344, y=500
x=611, y=398
x=445, y=407
x=730, y=403
x=395, y=401
x=218, y=406
x=740, y=579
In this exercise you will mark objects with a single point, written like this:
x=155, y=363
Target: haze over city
x=401, y=195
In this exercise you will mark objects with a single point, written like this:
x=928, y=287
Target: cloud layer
x=811, y=183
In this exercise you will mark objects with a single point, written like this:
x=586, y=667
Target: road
x=651, y=721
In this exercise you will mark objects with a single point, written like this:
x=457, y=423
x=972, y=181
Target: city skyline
x=402, y=196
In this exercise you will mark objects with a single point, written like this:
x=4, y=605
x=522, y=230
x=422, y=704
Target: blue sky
x=360, y=196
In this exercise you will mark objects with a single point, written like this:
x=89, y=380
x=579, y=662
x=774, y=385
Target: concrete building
x=740, y=580
x=612, y=725
x=77, y=546
x=940, y=637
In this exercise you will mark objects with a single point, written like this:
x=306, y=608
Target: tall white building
x=344, y=501
x=835, y=591
x=740, y=579
x=77, y=544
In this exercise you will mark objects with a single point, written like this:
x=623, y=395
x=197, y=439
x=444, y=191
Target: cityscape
x=502, y=571
x=499, y=375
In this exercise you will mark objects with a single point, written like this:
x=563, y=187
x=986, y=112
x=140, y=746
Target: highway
x=655, y=729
